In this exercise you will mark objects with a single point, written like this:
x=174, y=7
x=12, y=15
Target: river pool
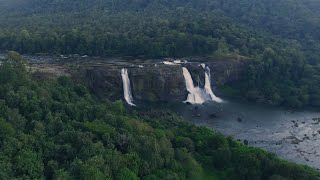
x=292, y=135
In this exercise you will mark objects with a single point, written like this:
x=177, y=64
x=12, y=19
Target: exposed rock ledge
x=151, y=80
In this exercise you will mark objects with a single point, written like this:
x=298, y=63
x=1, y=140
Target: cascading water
x=195, y=95
x=198, y=95
x=126, y=87
x=207, y=85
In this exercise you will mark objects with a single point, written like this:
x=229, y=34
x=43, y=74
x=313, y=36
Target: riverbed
x=292, y=135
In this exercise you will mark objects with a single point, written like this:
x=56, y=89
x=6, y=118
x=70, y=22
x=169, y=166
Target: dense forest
x=55, y=129
x=280, y=38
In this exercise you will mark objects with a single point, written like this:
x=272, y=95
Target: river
x=292, y=135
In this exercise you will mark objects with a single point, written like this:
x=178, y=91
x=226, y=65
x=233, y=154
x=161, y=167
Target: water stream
x=207, y=86
x=196, y=95
x=199, y=95
x=126, y=87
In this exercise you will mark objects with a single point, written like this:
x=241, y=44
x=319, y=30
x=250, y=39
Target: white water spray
x=169, y=63
x=195, y=95
x=126, y=87
x=207, y=85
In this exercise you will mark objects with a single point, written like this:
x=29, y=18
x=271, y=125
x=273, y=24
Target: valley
x=160, y=89
x=293, y=135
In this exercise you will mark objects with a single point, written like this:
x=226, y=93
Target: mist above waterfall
x=199, y=95
x=126, y=87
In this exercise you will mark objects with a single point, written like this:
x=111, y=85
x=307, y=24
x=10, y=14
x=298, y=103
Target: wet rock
x=213, y=115
x=305, y=137
x=246, y=142
x=293, y=140
x=188, y=103
x=198, y=115
x=316, y=121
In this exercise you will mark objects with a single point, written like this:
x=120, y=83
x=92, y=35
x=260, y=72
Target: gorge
x=291, y=135
x=160, y=89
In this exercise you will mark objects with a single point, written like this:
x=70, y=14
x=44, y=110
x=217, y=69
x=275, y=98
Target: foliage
x=281, y=37
x=51, y=130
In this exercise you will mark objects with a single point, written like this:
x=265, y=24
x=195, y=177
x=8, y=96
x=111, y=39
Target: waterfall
x=195, y=95
x=126, y=87
x=198, y=95
x=207, y=85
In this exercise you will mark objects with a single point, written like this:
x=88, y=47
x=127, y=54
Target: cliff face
x=161, y=83
x=153, y=82
x=222, y=71
x=104, y=81
x=150, y=83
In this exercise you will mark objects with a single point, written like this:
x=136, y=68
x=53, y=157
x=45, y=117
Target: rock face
x=151, y=81
x=222, y=71
x=104, y=81
x=161, y=83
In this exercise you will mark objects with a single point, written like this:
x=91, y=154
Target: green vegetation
x=281, y=37
x=56, y=129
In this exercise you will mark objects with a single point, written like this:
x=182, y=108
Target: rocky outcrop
x=45, y=71
x=161, y=83
x=151, y=81
x=222, y=71
x=104, y=81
